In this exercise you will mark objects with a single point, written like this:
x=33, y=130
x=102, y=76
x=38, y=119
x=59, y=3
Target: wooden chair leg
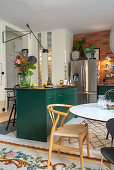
x=59, y=144
x=81, y=151
x=87, y=141
x=50, y=151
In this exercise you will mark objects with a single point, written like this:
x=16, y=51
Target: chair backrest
x=55, y=110
x=110, y=127
x=110, y=94
x=16, y=86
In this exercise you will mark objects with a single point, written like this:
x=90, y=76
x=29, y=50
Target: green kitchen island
x=33, y=120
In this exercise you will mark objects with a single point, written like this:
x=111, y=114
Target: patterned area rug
x=14, y=157
x=97, y=134
x=97, y=138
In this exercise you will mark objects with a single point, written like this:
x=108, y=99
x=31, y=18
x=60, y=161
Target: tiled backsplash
x=102, y=40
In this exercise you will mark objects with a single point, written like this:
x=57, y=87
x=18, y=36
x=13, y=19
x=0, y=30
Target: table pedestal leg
x=112, y=166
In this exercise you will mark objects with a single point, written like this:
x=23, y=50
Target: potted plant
x=91, y=51
x=78, y=47
x=25, y=64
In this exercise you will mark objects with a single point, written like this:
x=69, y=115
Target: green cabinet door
x=68, y=96
x=71, y=98
x=60, y=96
x=74, y=96
x=50, y=99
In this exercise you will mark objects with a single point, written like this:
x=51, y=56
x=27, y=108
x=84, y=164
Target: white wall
x=33, y=51
x=68, y=47
x=44, y=58
x=58, y=48
x=3, y=61
x=61, y=41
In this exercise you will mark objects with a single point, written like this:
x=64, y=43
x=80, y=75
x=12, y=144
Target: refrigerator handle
x=81, y=74
x=84, y=83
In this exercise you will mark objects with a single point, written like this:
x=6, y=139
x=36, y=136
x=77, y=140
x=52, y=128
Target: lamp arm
x=44, y=50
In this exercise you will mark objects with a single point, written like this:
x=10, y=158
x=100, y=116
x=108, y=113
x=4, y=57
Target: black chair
x=110, y=95
x=108, y=152
x=13, y=109
x=10, y=97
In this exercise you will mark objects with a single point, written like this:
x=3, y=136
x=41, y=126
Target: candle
x=40, y=53
x=65, y=55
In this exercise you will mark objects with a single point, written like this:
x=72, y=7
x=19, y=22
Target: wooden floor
x=4, y=116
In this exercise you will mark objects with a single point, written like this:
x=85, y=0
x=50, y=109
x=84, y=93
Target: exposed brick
x=102, y=40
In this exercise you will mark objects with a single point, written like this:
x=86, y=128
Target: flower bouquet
x=25, y=64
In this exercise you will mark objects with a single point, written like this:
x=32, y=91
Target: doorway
x=12, y=50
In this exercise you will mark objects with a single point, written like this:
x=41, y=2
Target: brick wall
x=102, y=40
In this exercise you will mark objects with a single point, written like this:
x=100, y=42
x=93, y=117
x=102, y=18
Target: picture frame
x=112, y=67
x=97, y=54
x=25, y=52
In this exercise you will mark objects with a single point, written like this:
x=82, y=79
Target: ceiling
x=78, y=16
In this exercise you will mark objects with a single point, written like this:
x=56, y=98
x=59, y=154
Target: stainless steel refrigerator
x=84, y=76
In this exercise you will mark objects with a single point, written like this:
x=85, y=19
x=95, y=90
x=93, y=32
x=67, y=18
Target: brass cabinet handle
x=61, y=95
x=51, y=97
x=69, y=93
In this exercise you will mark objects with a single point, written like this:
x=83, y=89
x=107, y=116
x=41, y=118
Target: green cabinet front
x=31, y=115
x=101, y=90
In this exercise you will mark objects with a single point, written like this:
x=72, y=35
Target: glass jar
x=24, y=81
x=101, y=100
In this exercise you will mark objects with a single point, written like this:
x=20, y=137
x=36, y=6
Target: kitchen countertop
x=105, y=85
x=41, y=88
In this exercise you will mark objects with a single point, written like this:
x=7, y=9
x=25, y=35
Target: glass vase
x=24, y=81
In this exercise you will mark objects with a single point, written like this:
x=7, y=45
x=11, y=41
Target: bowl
x=110, y=107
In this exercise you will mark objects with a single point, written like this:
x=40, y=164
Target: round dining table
x=92, y=111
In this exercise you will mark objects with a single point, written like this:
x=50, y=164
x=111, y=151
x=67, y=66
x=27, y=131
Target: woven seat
x=71, y=130
x=79, y=131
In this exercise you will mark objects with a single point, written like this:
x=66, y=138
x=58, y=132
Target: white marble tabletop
x=92, y=111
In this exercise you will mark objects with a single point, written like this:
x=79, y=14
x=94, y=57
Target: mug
x=61, y=81
x=65, y=81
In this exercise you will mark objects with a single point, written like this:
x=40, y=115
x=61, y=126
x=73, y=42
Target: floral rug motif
x=13, y=157
x=20, y=159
